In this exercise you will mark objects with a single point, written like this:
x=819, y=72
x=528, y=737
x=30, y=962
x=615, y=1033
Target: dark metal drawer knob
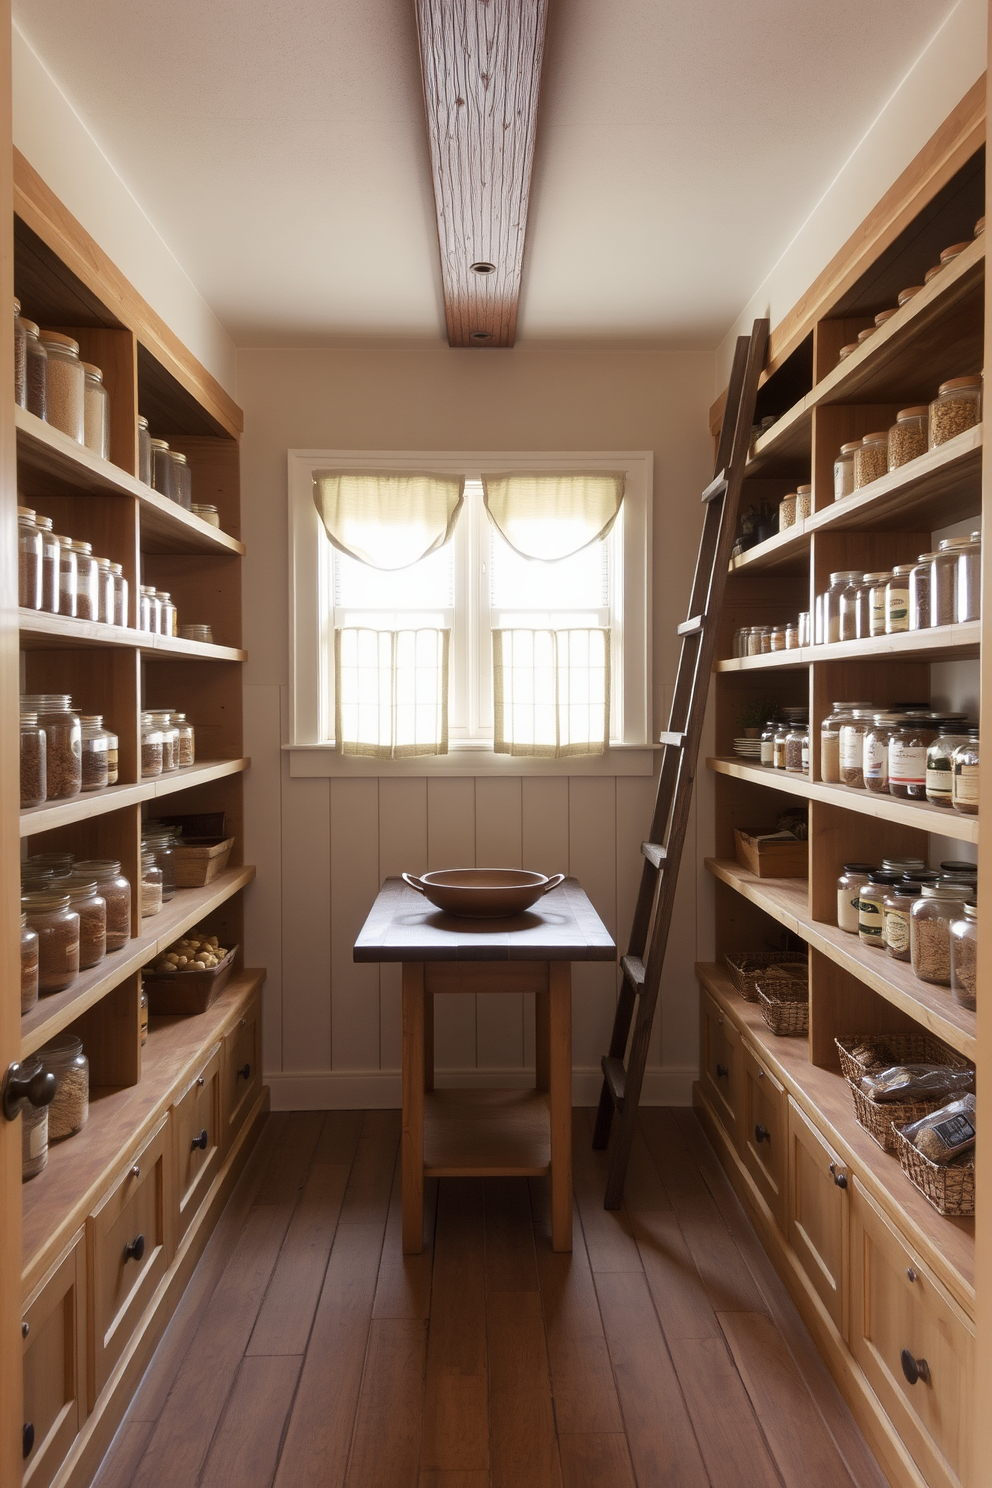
x=914, y=1369
x=839, y=1178
x=27, y=1439
x=762, y=1134
x=25, y=1328
x=200, y=1141
x=244, y=1073
x=722, y=1070
x=37, y=1089
x=135, y=1249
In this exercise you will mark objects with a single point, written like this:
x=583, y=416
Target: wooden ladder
x=643, y=963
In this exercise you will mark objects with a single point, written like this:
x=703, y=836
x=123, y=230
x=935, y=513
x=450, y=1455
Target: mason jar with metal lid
x=870, y=908
x=849, y=887
x=871, y=458
x=908, y=435
x=163, y=477
x=908, y=745
x=968, y=581
x=29, y=559
x=943, y=580
x=877, y=583
x=844, y=470
x=897, y=599
x=940, y=775
x=182, y=480
x=964, y=957
x=68, y=577
x=57, y=925
x=852, y=742
x=897, y=907
x=919, y=592
x=65, y=383
x=930, y=930
x=876, y=751
x=91, y=908
x=96, y=412
x=144, y=451
x=87, y=582
x=63, y=746
x=115, y=890
x=957, y=406
x=839, y=583
x=50, y=551
x=964, y=775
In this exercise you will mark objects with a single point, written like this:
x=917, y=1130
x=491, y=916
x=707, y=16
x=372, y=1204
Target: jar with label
x=29, y=965
x=791, y=636
x=968, y=581
x=871, y=458
x=787, y=512
x=67, y=577
x=96, y=412
x=29, y=558
x=908, y=745
x=115, y=890
x=957, y=406
x=852, y=747
x=940, y=774
x=34, y=778
x=163, y=480
x=35, y=371
x=167, y=613
x=144, y=451
x=897, y=599
x=896, y=910
x=187, y=740
x=876, y=751
x=830, y=739
x=943, y=577
x=63, y=1057
x=160, y=842
x=182, y=480
x=161, y=719
x=877, y=583
x=63, y=747
x=87, y=582
x=849, y=610
x=781, y=738
x=930, y=930
x=143, y=1016
x=105, y=592
x=34, y=1126
x=49, y=566
x=844, y=470
x=151, y=885
x=908, y=436
x=91, y=908
x=964, y=773
x=964, y=957
x=768, y=743
x=65, y=383
x=57, y=926
x=871, y=907
x=796, y=741
x=919, y=592
x=94, y=744
x=120, y=594
x=849, y=887
x=839, y=583
x=151, y=747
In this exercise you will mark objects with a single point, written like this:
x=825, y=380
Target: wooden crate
x=199, y=863
x=784, y=858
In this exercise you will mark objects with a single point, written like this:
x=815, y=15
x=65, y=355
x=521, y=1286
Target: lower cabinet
x=241, y=1068
x=196, y=1131
x=764, y=1133
x=722, y=1064
x=53, y=1329
x=819, y=1200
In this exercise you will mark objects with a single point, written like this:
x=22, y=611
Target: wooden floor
x=663, y=1352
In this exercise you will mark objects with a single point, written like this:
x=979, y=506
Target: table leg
x=428, y=1040
x=560, y=1061
x=542, y=1039
x=412, y=1141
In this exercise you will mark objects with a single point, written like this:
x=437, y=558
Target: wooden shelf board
x=947, y=1244
x=81, y=1167
x=44, y=818
x=40, y=631
x=504, y=1133
x=789, y=442
x=59, y=466
x=940, y=643
x=919, y=814
x=786, y=900
x=53, y=1013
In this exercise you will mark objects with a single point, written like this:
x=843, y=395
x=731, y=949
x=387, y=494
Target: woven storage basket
x=877, y=1116
x=899, y=1048
x=748, y=968
x=949, y=1187
x=785, y=1007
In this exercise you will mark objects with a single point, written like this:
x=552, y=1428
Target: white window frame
x=310, y=641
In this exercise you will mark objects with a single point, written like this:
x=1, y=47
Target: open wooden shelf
x=53, y=1013
x=939, y=643
x=57, y=466
x=506, y=1133
x=919, y=814
x=40, y=631
x=948, y=1244
x=787, y=901
x=79, y=1168
x=53, y=814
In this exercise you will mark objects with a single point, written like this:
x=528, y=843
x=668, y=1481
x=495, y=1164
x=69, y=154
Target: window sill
x=307, y=761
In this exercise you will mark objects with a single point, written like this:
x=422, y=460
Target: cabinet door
x=819, y=1201
x=915, y=1346
x=196, y=1130
x=721, y=1063
x=53, y=1329
x=242, y=1072
x=764, y=1132
x=131, y=1244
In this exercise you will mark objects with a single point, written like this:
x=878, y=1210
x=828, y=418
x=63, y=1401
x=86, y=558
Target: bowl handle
x=413, y=881
x=552, y=883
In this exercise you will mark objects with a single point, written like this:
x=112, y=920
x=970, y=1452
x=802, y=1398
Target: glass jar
x=804, y=502
x=182, y=480
x=96, y=412
x=844, y=470
x=930, y=930
x=766, y=639
x=91, y=908
x=151, y=747
x=852, y=747
x=754, y=640
x=940, y=774
x=105, y=592
x=781, y=739
x=777, y=637
x=167, y=614
x=161, y=719
x=839, y=583
x=796, y=744
x=67, y=577
x=160, y=842
x=163, y=480
x=145, y=607
x=849, y=887
x=876, y=751
x=35, y=371
x=897, y=907
x=65, y=385
x=57, y=864
x=34, y=779
x=849, y=609
x=968, y=581
x=768, y=743
x=908, y=436
x=87, y=582
x=29, y=558
x=63, y=1057
x=943, y=576
x=207, y=512
x=863, y=609
x=120, y=594
x=144, y=451
x=95, y=745
x=791, y=636
x=876, y=584
x=964, y=772
x=871, y=904
x=957, y=406
x=34, y=1126
x=897, y=599
x=919, y=592
x=871, y=458
x=115, y=890
x=805, y=629
x=50, y=551
x=830, y=739
x=63, y=744
x=151, y=885
x=964, y=957
x=29, y=965
x=143, y=1016
x=787, y=512
x=20, y=358
x=48, y=913
x=957, y=871
x=154, y=611
x=908, y=745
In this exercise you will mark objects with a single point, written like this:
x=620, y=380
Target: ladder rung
x=633, y=969
x=616, y=1079
x=716, y=487
x=691, y=627
x=676, y=740
x=654, y=852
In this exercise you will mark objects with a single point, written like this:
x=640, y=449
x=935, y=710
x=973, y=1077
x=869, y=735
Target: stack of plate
x=748, y=748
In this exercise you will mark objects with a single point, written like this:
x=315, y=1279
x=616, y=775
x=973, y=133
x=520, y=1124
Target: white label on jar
x=897, y=929
x=896, y=610
x=768, y=751
x=38, y=1137
x=876, y=756
x=870, y=919
x=966, y=783
x=907, y=763
x=939, y=781
x=851, y=748
x=847, y=910
x=805, y=755
x=876, y=611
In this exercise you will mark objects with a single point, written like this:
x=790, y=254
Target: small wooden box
x=784, y=858
x=172, y=993
x=199, y=863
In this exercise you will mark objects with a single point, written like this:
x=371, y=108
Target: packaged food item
x=897, y=908
x=947, y=1133
x=916, y=1082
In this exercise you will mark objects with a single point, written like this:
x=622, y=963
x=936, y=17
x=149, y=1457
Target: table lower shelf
x=496, y=1133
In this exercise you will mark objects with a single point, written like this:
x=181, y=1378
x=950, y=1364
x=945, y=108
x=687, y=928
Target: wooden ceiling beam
x=481, y=65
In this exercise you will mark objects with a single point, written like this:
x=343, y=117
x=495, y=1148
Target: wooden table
x=471, y=1133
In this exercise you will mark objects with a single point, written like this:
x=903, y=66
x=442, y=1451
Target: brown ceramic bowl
x=483, y=893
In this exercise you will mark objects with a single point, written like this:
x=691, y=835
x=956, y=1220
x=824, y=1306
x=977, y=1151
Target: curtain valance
x=553, y=516
x=384, y=519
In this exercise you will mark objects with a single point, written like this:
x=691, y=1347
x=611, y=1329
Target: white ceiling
x=279, y=149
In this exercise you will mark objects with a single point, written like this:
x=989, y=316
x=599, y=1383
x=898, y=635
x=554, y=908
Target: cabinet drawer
x=242, y=1073
x=901, y=1314
x=53, y=1327
x=721, y=1060
x=764, y=1129
x=196, y=1130
x=131, y=1247
x=818, y=1214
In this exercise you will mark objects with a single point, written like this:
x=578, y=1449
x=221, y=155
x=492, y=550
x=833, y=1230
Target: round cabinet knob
x=136, y=1171
x=25, y=1328
x=762, y=1134
x=199, y=1082
x=722, y=1070
x=27, y=1439
x=18, y=1089
x=135, y=1249
x=200, y=1141
x=839, y=1178
x=910, y=1274
x=244, y=1073
x=914, y=1369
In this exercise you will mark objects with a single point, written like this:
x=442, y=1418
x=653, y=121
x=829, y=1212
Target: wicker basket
x=899, y=1048
x=949, y=1187
x=785, y=1007
x=748, y=968
x=877, y=1116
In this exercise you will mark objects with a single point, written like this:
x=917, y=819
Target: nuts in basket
x=192, y=953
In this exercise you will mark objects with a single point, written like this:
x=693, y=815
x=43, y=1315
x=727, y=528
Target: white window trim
x=308, y=620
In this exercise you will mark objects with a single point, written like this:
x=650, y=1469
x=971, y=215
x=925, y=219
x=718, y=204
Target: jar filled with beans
x=115, y=890
x=797, y=748
x=65, y=385
x=787, y=512
x=29, y=965
x=957, y=406
x=871, y=459
x=34, y=777
x=63, y=749
x=57, y=925
x=29, y=560
x=804, y=502
x=909, y=435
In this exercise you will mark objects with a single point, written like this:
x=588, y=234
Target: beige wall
x=322, y=846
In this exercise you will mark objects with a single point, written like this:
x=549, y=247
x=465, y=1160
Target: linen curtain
x=551, y=692
x=553, y=516
x=384, y=519
x=391, y=692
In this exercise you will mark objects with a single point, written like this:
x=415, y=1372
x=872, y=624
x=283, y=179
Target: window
x=544, y=659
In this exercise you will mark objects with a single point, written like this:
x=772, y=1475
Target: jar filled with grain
x=87, y=582
x=943, y=580
x=144, y=451
x=63, y=1057
x=151, y=885
x=160, y=842
x=968, y=581
x=908, y=745
x=161, y=719
x=781, y=739
x=63, y=743
x=897, y=599
x=871, y=458
x=754, y=635
x=778, y=638
x=909, y=435
x=876, y=751
x=797, y=748
x=804, y=502
x=844, y=470
x=29, y=965
x=34, y=778
x=871, y=904
x=162, y=469
x=94, y=745
x=115, y=890
x=787, y=512
x=964, y=775
x=57, y=926
x=877, y=582
x=852, y=747
x=957, y=406
x=151, y=747
x=766, y=639
x=964, y=957
x=930, y=930
x=897, y=906
x=919, y=592
x=850, y=609
x=50, y=551
x=20, y=358
x=96, y=412
x=849, y=887
x=91, y=908
x=182, y=480
x=840, y=582
x=940, y=756
x=65, y=386
x=29, y=559
x=120, y=594
x=167, y=613
x=34, y=1127
x=35, y=371
x=830, y=728
x=105, y=592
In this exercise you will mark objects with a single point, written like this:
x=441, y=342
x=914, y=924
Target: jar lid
x=907, y=890
x=146, y=589
x=160, y=444
x=142, y=421
x=791, y=497
x=955, y=383
x=844, y=576
x=952, y=252
x=859, y=867
x=99, y=867
x=204, y=506
x=44, y=523
x=65, y=857
x=26, y=511
x=65, y=1047
x=95, y=372
x=44, y=702
x=30, y=326
x=845, y=351
x=875, y=578
x=884, y=315
x=907, y=294
x=930, y=273
x=179, y=458
x=57, y=339
x=846, y=707
x=979, y=227
x=79, y=887
x=848, y=449
x=878, y=876
x=971, y=911
x=803, y=490
x=958, y=865
x=876, y=437
x=946, y=891
x=117, y=568
x=919, y=411
x=860, y=714
x=44, y=899
x=91, y=719
x=82, y=547
x=28, y=716
x=886, y=718
x=863, y=335
x=162, y=594
x=103, y=563
x=926, y=557
x=890, y=863
x=947, y=543
x=923, y=875
x=901, y=569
